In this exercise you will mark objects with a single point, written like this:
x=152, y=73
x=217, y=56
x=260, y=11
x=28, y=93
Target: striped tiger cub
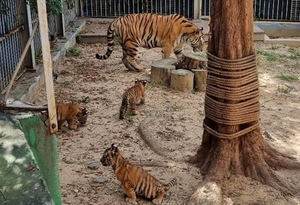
x=135, y=180
x=132, y=96
x=147, y=30
x=70, y=112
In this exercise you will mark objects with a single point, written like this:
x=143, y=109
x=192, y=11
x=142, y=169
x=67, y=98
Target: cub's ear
x=144, y=82
x=136, y=80
x=85, y=111
x=114, y=147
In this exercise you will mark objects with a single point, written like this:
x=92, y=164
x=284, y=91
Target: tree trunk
x=232, y=140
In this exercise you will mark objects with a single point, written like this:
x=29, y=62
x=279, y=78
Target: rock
x=94, y=165
x=100, y=179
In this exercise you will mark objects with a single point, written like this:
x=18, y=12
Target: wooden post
x=47, y=61
x=182, y=80
x=200, y=77
x=191, y=61
x=161, y=71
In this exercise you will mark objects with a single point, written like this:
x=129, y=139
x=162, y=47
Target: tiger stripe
x=135, y=180
x=148, y=30
x=131, y=96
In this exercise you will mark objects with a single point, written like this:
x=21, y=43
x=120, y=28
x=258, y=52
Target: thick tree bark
x=223, y=152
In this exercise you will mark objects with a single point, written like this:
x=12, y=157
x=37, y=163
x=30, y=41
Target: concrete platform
x=294, y=42
x=259, y=34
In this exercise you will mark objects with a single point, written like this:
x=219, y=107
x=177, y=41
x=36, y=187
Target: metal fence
x=116, y=8
x=16, y=22
x=276, y=10
x=10, y=41
x=37, y=45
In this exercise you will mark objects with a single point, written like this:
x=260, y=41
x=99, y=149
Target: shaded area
x=21, y=181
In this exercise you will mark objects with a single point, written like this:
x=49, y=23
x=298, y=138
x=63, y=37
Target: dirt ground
x=99, y=85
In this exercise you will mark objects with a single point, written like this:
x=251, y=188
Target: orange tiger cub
x=70, y=112
x=147, y=30
x=135, y=180
x=132, y=96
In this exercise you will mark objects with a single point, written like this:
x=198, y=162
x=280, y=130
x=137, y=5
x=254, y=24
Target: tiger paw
x=156, y=201
x=131, y=201
x=72, y=127
x=135, y=112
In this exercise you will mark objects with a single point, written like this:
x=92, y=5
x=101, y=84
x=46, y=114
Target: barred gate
x=276, y=10
x=116, y=8
x=10, y=41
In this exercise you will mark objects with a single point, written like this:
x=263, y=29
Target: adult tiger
x=149, y=31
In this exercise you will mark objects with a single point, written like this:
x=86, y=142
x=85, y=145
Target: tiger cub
x=135, y=180
x=132, y=96
x=147, y=30
x=70, y=112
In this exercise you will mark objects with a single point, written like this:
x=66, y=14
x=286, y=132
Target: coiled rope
x=232, y=94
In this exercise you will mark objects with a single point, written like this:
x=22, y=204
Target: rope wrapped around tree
x=232, y=142
x=232, y=81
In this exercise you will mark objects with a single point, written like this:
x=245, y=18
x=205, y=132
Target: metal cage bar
x=10, y=41
x=116, y=8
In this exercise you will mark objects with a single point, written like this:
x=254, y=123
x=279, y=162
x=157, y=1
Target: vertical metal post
x=60, y=25
x=25, y=18
x=47, y=61
x=79, y=8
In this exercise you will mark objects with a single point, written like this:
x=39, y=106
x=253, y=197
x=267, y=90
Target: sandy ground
x=99, y=85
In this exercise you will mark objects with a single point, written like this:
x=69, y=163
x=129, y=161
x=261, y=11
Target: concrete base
x=279, y=29
x=91, y=38
x=284, y=41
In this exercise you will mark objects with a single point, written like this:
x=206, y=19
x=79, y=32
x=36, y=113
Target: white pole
x=47, y=61
x=197, y=9
x=30, y=32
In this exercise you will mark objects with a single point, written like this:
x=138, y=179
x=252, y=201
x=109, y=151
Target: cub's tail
x=123, y=108
x=173, y=182
x=110, y=44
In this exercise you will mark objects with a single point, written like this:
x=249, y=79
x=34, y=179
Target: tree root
x=153, y=163
x=249, y=155
x=147, y=136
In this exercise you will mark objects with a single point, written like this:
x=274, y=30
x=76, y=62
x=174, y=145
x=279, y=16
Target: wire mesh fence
x=10, y=41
